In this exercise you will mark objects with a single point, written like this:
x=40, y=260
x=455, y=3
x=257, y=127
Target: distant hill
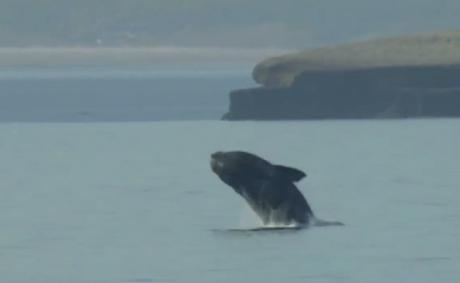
x=219, y=23
x=442, y=48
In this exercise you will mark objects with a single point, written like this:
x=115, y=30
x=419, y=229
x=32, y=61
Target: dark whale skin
x=269, y=189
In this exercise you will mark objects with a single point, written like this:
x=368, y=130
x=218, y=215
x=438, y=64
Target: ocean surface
x=91, y=95
x=136, y=201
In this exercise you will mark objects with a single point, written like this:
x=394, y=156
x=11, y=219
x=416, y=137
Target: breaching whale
x=268, y=189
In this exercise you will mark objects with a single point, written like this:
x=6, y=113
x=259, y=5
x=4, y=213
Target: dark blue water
x=91, y=95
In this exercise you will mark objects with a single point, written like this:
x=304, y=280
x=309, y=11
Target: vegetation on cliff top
x=441, y=48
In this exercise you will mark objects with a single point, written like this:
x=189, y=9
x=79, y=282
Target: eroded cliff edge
x=417, y=76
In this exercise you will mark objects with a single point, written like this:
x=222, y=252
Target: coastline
x=80, y=56
x=401, y=77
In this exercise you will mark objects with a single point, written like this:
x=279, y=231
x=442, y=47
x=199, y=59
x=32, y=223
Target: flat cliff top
x=433, y=49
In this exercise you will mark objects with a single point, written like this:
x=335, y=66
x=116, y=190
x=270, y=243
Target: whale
x=269, y=189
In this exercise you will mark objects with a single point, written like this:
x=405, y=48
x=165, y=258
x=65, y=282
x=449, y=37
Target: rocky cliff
x=416, y=76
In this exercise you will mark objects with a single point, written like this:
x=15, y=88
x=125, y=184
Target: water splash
x=249, y=220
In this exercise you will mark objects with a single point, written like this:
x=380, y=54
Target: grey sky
x=230, y=23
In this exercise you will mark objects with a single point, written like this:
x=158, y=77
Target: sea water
x=116, y=95
x=137, y=202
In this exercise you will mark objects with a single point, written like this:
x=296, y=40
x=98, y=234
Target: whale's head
x=239, y=166
x=231, y=162
x=218, y=162
x=230, y=165
x=235, y=168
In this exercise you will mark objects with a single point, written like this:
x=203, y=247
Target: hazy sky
x=230, y=23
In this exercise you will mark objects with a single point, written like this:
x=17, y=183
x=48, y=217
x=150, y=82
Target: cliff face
x=392, y=92
x=355, y=81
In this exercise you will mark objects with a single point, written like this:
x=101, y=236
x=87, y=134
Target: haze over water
x=137, y=202
x=117, y=94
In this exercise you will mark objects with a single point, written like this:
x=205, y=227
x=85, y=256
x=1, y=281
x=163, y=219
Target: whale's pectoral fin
x=289, y=173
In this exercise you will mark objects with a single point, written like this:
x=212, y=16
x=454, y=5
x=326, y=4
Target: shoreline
x=207, y=57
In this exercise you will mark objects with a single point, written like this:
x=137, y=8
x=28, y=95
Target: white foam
x=282, y=225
